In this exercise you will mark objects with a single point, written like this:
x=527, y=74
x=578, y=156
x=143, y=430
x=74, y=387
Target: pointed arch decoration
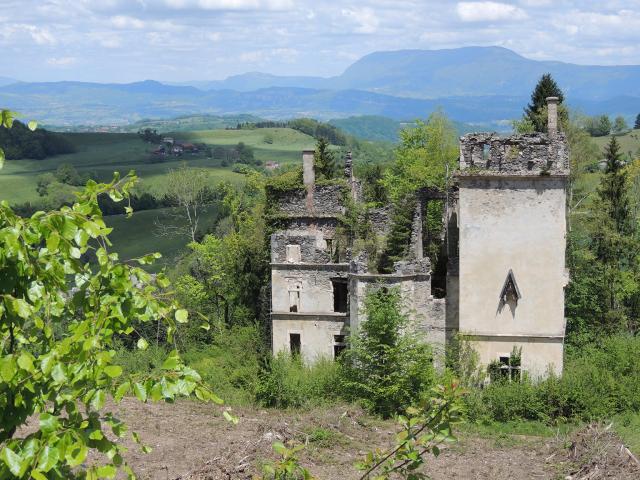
x=510, y=290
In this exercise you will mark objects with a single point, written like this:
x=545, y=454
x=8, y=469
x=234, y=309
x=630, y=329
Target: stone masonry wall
x=529, y=154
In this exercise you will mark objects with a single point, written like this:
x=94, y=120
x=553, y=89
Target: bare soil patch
x=192, y=441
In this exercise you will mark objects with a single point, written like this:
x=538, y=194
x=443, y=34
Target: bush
x=599, y=381
x=232, y=363
x=387, y=368
x=289, y=383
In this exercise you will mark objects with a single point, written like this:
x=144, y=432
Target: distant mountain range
x=478, y=85
x=453, y=72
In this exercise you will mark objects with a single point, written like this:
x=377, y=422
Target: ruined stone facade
x=505, y=245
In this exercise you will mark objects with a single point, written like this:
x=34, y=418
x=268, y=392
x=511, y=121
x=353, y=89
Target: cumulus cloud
x=364, y=19
x=488, y=12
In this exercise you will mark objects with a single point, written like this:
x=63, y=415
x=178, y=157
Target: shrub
x=387, y=368
x=288, y=382
x=599, y=381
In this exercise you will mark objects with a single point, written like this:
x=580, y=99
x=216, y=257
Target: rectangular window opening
x=294, y=301
x=340, y=296
x=294, y=343
x=338, y=345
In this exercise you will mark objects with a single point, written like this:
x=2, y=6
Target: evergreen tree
x=615, y=247
x=613, y=189
x=546, y=87
x=325, y=162
x=637, y=125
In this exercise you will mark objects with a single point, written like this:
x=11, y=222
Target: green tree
x=425, y=154
x=59, y=317
x=324, y=160
x=546, y=87
x=387, y=367
x=615, y=246
x=187, y=189
x=637, y=124
x=620, y=125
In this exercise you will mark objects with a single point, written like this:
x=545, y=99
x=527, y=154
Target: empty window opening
x=340, y=296
x=330, y=248
x=294, y=343
x=294, y=301
x=293, y=253
x=486, y=151
x=338, y=345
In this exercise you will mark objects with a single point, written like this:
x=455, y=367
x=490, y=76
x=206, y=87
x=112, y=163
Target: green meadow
x=104, y=153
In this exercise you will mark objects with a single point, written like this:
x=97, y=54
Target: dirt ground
x=192, y=441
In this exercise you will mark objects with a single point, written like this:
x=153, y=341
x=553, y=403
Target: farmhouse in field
x=504, y=245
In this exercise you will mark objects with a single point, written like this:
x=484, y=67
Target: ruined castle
x=504, y=240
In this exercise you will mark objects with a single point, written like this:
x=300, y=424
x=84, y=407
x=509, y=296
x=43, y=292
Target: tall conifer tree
x=546, y=87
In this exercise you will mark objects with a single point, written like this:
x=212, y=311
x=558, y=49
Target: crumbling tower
x=511, y=219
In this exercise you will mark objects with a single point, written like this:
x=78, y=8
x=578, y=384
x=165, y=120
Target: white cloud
x=231, y=4
x=42, y=36
x=365, y=19
x=61, y=61
x=126, y=22
x=488, y=12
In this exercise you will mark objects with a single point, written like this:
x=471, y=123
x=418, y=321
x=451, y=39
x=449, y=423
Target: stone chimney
x=348, y=166
x=308, y=172
x=552, y=109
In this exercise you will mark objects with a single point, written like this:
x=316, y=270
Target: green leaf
x=140, y=391
x=1, y=158
x=279, y=448
x=49, y=457
x=25, y=362
x=122, y=391
x=48, y=423
x=8, y=368
x=182, y=316
x=98, y=400
x=128, y=211
x=76, y=454
x=37, y=475
x=53, y=240
x=142, y=344
x=115, y=195
x=21, y=308
x=32, y=125
x=58, y=373
x=102, y=256
x=172, y=361
x=106, y=471
x=113, y=371
x=12, y=460
x=230, y=418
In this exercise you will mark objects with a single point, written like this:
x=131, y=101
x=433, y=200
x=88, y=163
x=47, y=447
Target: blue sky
x=180, y=40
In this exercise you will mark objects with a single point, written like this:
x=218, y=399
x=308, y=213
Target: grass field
x=139, y=235
x=629, y=142
x=104, y=153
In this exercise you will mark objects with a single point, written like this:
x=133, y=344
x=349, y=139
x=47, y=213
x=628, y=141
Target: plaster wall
x=316, y=335
x=313, y=283
x=517, y=224
x=538, y=355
